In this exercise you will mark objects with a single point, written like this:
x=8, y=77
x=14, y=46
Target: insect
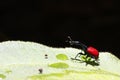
x=40, y=70
x=46, y=56
x=90, y=55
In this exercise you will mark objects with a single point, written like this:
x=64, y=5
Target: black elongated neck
x=77, y=43
x=82, y=45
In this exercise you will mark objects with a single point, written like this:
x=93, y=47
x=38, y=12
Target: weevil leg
x=78, y=55
x=75, y=58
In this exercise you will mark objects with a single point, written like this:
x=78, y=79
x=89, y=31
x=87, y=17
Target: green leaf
x=62, y=57
x=59, y=65
x=2, y=76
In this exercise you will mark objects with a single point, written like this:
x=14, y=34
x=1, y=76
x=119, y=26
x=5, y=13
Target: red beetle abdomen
x=92, y=51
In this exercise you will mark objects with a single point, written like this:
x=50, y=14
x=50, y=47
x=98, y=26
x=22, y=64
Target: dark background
x=93, y=22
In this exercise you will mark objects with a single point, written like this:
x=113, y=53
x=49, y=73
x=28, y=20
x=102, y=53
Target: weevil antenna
x=69, y=38
x=77, y=43
x=71, y=41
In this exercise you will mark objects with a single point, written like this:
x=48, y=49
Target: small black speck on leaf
x=40, y=70
x=46, y=56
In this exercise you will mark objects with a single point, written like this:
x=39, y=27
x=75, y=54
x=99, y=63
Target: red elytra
x=92, y=51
